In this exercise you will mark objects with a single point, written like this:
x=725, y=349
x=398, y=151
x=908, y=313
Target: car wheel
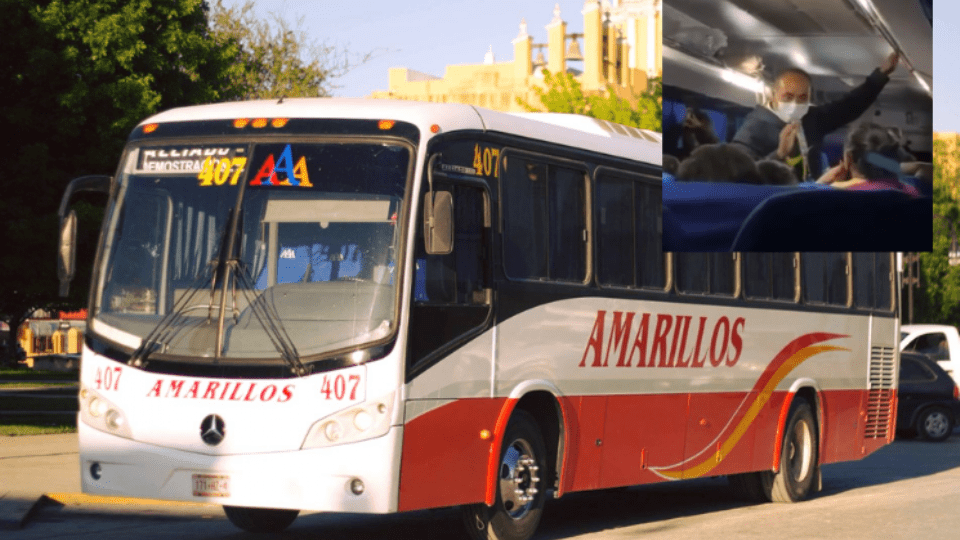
x=799, y=453
x=260, y=520
x=520, y=486
x=935, y=424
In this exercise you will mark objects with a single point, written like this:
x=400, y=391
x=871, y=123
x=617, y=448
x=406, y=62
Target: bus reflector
x=241, y=123
x=259, y=123
x=385, y=124
x=150, y=128
x=279, y=122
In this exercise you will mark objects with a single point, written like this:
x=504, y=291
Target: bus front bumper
x=321, y=479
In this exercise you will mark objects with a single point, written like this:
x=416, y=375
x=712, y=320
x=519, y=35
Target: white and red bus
x=376, y=306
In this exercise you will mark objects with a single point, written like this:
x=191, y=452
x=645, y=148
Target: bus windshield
x=312, y=267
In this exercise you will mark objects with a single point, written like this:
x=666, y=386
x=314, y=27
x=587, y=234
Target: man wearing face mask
x=792, y=131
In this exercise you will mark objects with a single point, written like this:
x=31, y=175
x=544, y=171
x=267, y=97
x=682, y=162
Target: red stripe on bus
x=444, y=458
x=615, y=440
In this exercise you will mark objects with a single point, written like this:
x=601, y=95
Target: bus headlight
x=99, y=413
x=332, y=430
x=367, y=421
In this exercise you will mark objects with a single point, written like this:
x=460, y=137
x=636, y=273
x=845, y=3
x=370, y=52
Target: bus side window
x=824, y=278
x=628, y=225
x=457, y=277
x=872, y=280
x=705, y=273
x=451, y=300
x=544, y=232
x=768, y=276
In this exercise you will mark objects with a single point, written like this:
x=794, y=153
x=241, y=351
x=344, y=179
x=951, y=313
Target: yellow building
x=620, y=44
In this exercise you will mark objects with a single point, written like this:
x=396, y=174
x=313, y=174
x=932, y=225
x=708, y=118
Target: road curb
x=15, y=513
x=79, y=499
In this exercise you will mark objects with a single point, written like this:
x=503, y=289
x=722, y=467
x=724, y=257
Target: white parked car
x=939, y=342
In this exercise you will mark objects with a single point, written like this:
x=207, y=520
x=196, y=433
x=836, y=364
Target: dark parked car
x=928, y=399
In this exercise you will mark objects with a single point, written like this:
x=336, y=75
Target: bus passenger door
x=452, y=301
x=449, y=362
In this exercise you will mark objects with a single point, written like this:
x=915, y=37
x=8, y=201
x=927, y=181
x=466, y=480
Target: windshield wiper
x=266, y=314
x=168, y=327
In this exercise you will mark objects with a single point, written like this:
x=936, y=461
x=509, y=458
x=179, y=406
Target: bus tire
x=520, y=492
x=935, y=424
x=749, y=486
x=260, y=520
x=799, y=457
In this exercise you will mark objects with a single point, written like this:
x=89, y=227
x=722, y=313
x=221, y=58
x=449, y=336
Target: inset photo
x=797, y=125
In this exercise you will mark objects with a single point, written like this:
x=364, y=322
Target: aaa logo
x=282, y=171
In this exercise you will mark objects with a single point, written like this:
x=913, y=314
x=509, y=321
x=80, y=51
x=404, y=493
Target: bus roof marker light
x=241, y=123
x=485, y=434
x=386, y=124
x=150, y=128
x=259, y=123
x=279, y=122
x=435, y=128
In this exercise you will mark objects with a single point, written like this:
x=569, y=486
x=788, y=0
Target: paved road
x=907, y=490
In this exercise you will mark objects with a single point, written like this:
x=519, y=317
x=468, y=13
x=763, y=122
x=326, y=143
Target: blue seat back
x=837, y=220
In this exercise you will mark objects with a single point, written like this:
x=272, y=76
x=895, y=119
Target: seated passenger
x=670, y=164
x=776, y=173
x=719, y=163
x=871, y=161
x=696, y=130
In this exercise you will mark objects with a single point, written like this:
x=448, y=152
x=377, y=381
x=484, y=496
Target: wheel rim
x=519, y=478
x=800, y=452
x=936, y=424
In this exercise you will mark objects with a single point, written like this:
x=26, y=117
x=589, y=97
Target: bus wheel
x=797, y=476
x=520, y=486
x=935, y=424
x=260, y=520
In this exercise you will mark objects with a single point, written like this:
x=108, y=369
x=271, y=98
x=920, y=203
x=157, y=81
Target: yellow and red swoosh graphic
x=791, y=356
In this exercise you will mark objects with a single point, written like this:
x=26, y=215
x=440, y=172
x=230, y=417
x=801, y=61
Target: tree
x=562, y=93
x=78, y=75
x=940, y=282
x=272, y=59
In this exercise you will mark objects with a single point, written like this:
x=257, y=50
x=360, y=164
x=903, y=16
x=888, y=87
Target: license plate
x=211, y=485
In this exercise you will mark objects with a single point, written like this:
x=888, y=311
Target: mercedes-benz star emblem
x=212, y=430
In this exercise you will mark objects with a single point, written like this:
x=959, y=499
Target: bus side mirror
x=438, y=222
x=67, y=250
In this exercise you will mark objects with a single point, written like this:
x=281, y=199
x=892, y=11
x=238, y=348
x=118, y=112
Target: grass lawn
x=8, y=375
x=21, y=402
x=12, y=385
x=38, y=424
x=37, y=400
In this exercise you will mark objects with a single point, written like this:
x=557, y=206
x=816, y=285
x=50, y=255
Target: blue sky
x=421, y=35
x=429, y=35
x=946, y=73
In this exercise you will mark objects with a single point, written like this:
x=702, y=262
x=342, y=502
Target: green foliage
x=564, y=94
x=78, y=75
x=940, y=282
x=271, y=59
